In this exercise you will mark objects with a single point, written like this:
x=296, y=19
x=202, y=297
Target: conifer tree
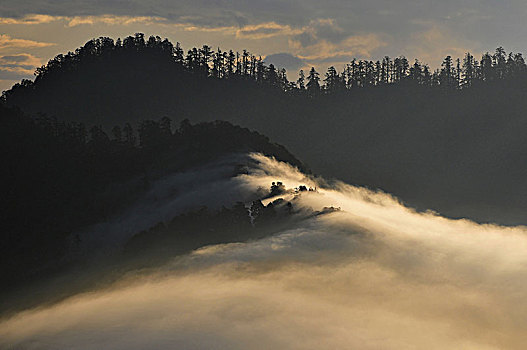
x=313, y=82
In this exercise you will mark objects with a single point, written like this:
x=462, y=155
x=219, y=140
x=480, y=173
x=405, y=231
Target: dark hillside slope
x=105, y=84
x=59, y=178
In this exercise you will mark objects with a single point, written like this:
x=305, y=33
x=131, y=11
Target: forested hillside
x=61, y=177
x=449, y=139
x=107, y=81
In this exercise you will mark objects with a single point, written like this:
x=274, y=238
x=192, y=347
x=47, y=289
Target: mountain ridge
x=456, y=149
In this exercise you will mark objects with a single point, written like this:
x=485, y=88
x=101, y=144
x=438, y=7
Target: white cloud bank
x=375, y=275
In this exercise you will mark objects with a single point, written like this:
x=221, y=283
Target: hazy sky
x=290, y=33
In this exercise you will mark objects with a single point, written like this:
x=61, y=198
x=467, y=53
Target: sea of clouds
x=374, y=275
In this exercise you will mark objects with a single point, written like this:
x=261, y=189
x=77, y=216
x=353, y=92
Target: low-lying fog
x=374, y=275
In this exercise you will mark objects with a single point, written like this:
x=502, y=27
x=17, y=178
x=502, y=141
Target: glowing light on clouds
x=374, y=275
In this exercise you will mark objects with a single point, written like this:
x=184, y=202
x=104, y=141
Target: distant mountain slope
x=461, y=152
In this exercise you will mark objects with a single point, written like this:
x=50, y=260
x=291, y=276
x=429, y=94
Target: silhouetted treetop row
x=109, y=82
x=453, y=74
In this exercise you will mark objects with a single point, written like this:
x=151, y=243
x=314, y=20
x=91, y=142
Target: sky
x=293, y=34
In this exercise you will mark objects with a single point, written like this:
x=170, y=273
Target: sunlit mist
x=374, y=275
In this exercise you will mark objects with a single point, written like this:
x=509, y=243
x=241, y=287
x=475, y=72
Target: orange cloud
x=356, y=45
x=436, y=41
x=72, y=21
x=31, y=19
x=20, y=65
x=112, y=20
x=266, y=30
x=257, y=31
x=7, y=41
